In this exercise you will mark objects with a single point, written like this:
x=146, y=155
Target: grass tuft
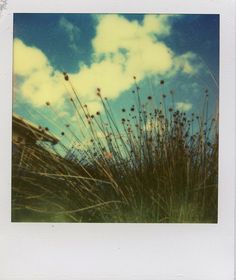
x=156, y=165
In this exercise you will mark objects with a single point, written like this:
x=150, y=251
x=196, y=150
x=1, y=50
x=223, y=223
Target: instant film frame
x=123, y=251
x=130, y=135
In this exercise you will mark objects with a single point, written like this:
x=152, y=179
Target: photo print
x=115, y=118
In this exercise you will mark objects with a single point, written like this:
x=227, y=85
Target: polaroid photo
x=118, y=140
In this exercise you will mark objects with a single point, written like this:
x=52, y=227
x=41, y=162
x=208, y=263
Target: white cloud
x=184, y=106
x=115, y=32
x=71, y=30
x=107, y=75
x=121, y=49
x=157, y=24
x=188, y=63
x=28, y=59
x=134, y=44
x=93, y=107
x=40, y=82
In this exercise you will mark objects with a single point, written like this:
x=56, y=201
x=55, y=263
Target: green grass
x=155, y=165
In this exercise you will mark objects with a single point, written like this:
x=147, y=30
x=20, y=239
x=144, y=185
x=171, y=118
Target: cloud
x=124, y=48
x=93, y=107
x=136, y=45
x=71, y=30
x=188, y=63
x=121, y=49
x=115, y=32
x=28, y=59
x=39, y=82
x=107, y=75
x=184, y=106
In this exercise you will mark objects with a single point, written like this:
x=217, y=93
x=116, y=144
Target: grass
x=155, y=165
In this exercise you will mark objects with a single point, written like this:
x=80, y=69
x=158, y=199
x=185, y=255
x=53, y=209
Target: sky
x=106, y=51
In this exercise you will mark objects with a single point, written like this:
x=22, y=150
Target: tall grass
x=155, y=164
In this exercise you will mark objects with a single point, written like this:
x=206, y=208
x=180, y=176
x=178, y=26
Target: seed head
x=99, y=92
x=66, y=77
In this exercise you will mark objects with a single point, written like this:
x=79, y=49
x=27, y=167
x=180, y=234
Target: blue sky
x=106, y=51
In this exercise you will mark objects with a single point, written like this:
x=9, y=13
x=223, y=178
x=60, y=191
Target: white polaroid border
x=121, y=251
